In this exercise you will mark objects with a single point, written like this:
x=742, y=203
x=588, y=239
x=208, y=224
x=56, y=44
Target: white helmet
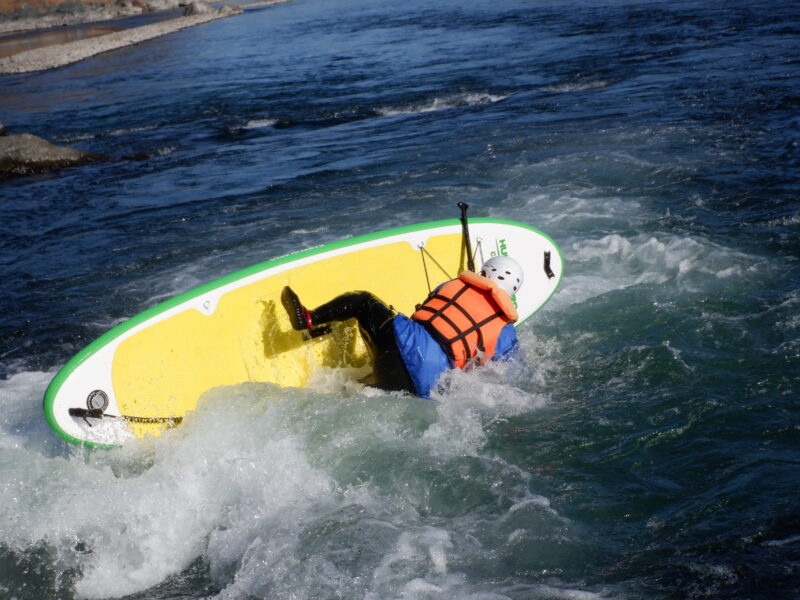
x=505, y=271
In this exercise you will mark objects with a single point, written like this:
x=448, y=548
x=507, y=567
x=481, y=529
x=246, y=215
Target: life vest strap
x=477, y=327
x=448, y=302
x=442, y=339
x=447, y=342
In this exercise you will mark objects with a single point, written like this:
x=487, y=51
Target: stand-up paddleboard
x=145, y=374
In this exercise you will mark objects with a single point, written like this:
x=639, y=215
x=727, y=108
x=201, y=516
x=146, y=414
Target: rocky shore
x=50, y=57
x=25, y=154
x=77, y=14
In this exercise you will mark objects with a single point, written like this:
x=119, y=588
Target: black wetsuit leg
x=375, y=320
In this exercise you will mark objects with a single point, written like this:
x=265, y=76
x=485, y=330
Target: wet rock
x=198, y=7
x=157, y=5
x=129, y=7
x=26, y=154
x=228, y=10
x=2, y=129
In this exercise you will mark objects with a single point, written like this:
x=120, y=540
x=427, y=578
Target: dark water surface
x=647, y=446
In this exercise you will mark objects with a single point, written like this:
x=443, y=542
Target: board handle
x=547, y=270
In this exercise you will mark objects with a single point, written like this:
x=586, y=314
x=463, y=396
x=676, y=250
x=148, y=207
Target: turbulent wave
x=300, y=487
x=259, y=123
x=80, y=137
x=442, y=103
x=580, y=86
x=616, y=262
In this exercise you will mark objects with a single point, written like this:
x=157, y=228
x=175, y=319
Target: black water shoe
x=299, y=315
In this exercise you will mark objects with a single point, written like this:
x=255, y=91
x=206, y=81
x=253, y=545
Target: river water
x=647, y=446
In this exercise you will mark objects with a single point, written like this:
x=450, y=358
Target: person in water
x=464, y=322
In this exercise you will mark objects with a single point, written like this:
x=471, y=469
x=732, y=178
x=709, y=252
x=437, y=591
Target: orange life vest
x=465, y=316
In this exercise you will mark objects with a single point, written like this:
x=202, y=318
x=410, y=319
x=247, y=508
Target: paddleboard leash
x=97, y=403
x=98, y=413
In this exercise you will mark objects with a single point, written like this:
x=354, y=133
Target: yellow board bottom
x=162, y=370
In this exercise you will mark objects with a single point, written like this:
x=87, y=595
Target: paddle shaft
x=465, y=230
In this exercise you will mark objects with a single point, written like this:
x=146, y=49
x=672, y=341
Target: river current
x=647, y=446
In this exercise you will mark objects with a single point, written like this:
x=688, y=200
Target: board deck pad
x=145, y=374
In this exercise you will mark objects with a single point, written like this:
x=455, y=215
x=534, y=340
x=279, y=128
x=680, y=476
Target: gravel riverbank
x=51, y=57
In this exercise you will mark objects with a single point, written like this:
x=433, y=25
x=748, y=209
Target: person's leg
x=375, y=320
x=372, y=315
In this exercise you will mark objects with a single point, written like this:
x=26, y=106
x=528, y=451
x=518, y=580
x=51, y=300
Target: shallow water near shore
x=646, y=446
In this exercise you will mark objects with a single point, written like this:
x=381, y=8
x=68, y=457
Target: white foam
x=416, y=550
x=259, y=123
x=790, y=305
x=146, y=511
x=125, y=131
x=207, y=492
x=79, y=137
x=677, y=355
x=783, y=542
x=784, y=221
x=549, y=592
x=443, y=103
x=471, y=401
x=612, y=262
x=580, y=86
x=265, y=484
x=21, y=419
x=305, y=232
x=538, y=501
x=719, y=572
